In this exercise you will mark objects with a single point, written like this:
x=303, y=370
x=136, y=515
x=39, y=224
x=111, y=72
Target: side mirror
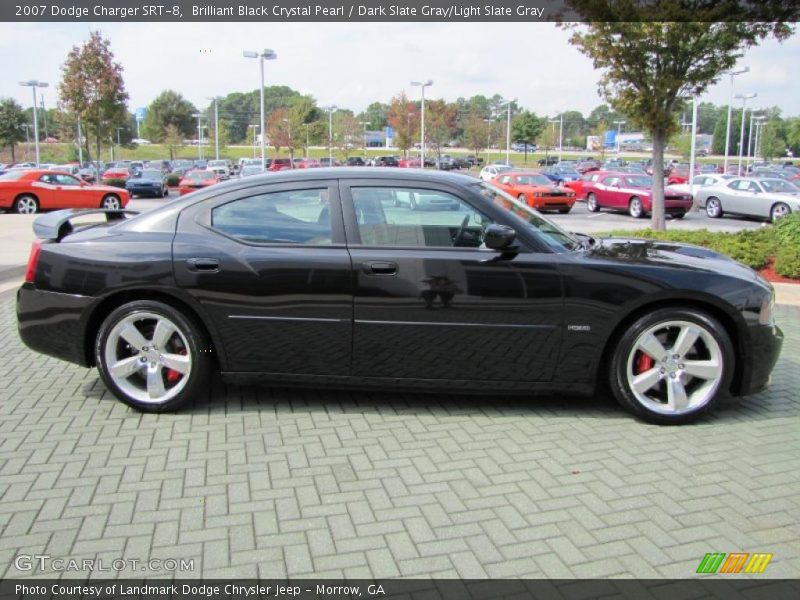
x=498, y=237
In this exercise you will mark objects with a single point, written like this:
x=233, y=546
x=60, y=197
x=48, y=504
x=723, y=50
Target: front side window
x=419, y=218
x=289, y=217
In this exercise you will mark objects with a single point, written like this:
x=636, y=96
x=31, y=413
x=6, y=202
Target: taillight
x=33, y=260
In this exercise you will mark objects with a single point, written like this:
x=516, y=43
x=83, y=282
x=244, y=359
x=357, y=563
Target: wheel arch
x=113, y=301
x=32, y=194
x=729, y=321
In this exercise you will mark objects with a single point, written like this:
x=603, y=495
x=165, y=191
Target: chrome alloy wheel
x=26, y=205
x=675, y=367
x=148, y=357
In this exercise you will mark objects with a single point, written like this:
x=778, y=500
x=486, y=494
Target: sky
x=354, y=64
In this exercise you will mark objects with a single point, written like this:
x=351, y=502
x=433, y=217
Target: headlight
x=767, y=314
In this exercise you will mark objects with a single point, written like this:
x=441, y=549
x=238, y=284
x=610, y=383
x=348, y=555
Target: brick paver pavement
x=287, y=483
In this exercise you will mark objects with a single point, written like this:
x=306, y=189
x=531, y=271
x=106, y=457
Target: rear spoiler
x=56, y=225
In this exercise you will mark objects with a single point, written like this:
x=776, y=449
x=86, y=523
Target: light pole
x=744, y=98
x=330, y=110
x=730, y=108
x=488, y=137
x=32, y=83
x=199, y=116
x=266, y=54
x=364, y=124
x=508, y=103
x=546, y=153
x=560, y=134
x=759, y=122
x=619, y=125
x=422, y=85
x=216, y=125
x=254, y=128
x=306, y=126
x=291, y=140
x=750, y=146
x=27, y=135
x=693, y=146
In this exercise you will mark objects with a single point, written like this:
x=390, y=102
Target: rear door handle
x=380, y=268
x=206, y=265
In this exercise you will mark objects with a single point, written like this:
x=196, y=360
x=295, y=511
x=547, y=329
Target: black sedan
x=147, y=182
x=321, y=277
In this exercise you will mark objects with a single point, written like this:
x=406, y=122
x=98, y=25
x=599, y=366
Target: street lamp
x=266, y=54
x=619, y=125
x=508, y=103
x=546, y=153
x=306, y=149
x=730, y=108
x=199, y=116
x=364, y=124
x=744, y=98
x=422, y=85
x=254, y=128
x=216, y=100
x=750, y=145
x=330, y=110
x=759, y=121
x=32, y=83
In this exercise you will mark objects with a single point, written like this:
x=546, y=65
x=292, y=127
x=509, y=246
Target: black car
x=387, y=161
x=317, y=277
x=547, y=161
x=355, y=161
x=147, y=182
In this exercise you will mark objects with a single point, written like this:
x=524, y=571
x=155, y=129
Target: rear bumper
x=54, y=324
x=764, y=349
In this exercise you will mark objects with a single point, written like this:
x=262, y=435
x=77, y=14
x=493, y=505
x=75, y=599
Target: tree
x=169, y=108
x=440, y=121
x=12, y=121
x=476, y=131
x=793, y=135
x=526, y=128
x=599, y=133
x=771, y=144
x=347, y=133
x=92, y=88
x=376, y=114
x=173, y=140
x=649, y=67
x=403, y=116
x=548, y=138
x=279, y=131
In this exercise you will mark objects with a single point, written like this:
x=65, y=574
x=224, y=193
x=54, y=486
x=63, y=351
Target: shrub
x=173, y=179
x=787, y=230
x=120, y=183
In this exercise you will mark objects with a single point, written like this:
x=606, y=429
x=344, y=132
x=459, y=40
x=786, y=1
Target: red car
x=307, y=163
x=280, y=164
x=115, y=174
x=197, y=179
x=632, y=193
x=30, y=191
x=536, y=190
x=680, y=174
x=409, y=163
x=578, y=185
x=586, y=166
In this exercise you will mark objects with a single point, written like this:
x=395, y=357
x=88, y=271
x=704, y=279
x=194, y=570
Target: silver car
x=701, y=181
x=768, y=199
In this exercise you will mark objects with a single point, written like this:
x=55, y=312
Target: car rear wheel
x=152, y=357
x=26, y=205
x=591, y=203
x=110, y=202
x=672, y=365
x=714, y=207
x=635, y=208
x=781, y=209
x=166, y=192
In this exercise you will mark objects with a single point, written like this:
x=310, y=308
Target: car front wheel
x=591, y=203
x=26, y=205
x=714, y=208
x=781, y=209
x=110, y=202
x=635, y=208
x=672, y=365
x=152, y=357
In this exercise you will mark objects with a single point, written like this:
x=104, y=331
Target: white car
x=221, y=167
x=489, y=172
x=768, y=199
x=700, y=181
x=141, y=141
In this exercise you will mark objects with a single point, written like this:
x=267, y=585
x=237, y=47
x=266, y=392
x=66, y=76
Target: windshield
x=639, y=181
x=555, y=237
x=199, y=175
x=779, y=186
x=148, y=174
x=217, y=163
x=533, y=180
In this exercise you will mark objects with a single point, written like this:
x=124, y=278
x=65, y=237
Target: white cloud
x=353, y=64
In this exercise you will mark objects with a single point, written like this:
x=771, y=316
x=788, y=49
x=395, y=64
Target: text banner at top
x=389, y=11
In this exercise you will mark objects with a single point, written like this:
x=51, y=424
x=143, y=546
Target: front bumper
x=764, y=349
x=53, y=323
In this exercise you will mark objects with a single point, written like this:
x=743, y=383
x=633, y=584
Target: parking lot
x=273, y=482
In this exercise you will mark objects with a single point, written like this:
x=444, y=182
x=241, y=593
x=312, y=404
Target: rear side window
x=291, y=217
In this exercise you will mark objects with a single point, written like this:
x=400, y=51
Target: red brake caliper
x=172, y=374
x=644, y=362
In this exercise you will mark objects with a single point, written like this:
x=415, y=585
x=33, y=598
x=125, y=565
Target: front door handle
x=206, y=265
x=380, y=268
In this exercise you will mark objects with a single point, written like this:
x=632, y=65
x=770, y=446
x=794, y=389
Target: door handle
x=206, y=265
x=380, y=268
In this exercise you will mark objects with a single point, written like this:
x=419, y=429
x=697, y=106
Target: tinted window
x=610, y=180
x=292, y=217
x=413, y=217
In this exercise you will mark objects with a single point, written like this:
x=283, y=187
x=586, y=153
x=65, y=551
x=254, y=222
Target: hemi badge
x=579, y=328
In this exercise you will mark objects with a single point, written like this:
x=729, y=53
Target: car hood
x=663, y=253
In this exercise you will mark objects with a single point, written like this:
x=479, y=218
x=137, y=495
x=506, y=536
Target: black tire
x=679, y=215
x=778, y=210
x=166, y=192
x=111, y=202
x=197, y=347
x=26, y=204
x=591, y=202
x=714, y=207
x=618, y=377
x=635, y=203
